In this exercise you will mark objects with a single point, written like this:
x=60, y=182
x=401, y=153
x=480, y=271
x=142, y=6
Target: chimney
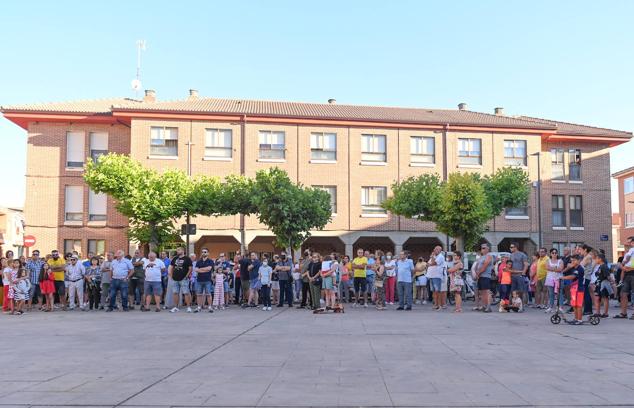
x=462, y=106
x=193, y=94
x=499, y=111
x=150, y=95
x=332, y=101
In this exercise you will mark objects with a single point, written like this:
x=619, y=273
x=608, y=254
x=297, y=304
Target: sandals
x=621, y=316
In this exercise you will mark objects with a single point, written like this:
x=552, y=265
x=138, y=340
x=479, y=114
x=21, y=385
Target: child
x=603, y=286
x=219, y=289
x=9, y=279
x=576, y=288
x=266, y=274
x=455, y=280
x=47, y=286
x=516, y=303
x=21, y=288
x=505, y=285
x=379, y=285
x=7, y=303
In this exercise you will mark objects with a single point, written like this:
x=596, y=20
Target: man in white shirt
x=627, y=278
x=435, y=272
x=75, y=273
x=153, y=286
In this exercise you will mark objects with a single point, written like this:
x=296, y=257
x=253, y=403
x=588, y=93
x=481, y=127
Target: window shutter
x=96, y=203
x=74, y=200
x=75, y=149
x=98, y=141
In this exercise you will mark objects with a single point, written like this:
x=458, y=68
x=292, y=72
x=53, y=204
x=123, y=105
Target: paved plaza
x=290, y=357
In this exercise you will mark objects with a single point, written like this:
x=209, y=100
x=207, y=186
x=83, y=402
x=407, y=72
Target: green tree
x=461, y=206
x=289, y=210
x=152, y=201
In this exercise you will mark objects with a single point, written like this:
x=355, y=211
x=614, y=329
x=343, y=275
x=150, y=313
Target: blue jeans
x=404, y=294
x=121, y=286
x=370, y=280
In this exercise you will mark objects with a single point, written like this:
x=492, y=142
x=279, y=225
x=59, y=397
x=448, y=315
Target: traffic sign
x=28, y=240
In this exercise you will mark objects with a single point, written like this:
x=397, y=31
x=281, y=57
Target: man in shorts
x=484, y=268
x=58, y=267
x=359, y=265
x=204, y=268
x=627, y=278
x=180, y=271
x=540, y=286
x=435, y=272
x=520, y=266
x=152, y=285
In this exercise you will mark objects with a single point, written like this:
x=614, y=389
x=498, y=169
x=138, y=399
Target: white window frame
x=97, y=206
x=98, y=144
x=368, y=207
x=318, y=146
x=515, y=158
x=332, y=191
x=75, y=150
x=518, y=213
x=417, y=154
x=165, y=134
x=267, y=150
x=628, y=185
x=93, y=246
x=215, y=144
x=556, y=162
x=561, y=199
x=467, y=156
x=374, y=153
x=73, y=206
x=575, y=201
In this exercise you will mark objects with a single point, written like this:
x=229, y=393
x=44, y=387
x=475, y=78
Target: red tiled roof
x=565, y=128
x=92, y=106
x=336, y=111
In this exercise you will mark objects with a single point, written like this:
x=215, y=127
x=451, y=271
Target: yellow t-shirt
x=59, y=276
x=541, y=268
x=359, y=273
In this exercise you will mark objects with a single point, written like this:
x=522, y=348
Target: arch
x=373, y=244
x=217, y=244
x=325, y=245
x=421, y=246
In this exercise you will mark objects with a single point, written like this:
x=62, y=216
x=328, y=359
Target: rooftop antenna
x=136, y=82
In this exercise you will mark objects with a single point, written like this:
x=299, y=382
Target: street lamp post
x=539, y=196
x=189, y=174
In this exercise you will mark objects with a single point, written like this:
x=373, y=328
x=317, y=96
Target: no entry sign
x=29, y=241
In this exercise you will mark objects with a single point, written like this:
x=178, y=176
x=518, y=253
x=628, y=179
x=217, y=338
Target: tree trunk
x=153, y=238
x=459, y=244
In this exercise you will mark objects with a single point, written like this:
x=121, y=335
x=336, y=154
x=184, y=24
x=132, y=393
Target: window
x=559, y=211
x=629, y=220
x=559, y=246
x=75, y=149
x=373, y=148
x=323, y=146
x=576, y=211
x=218, y=143
x=71, y=245
x=574, y=164
x=96, y=206
x=332, y=190
x=272, y=145
x=516, y=211
x=74, y=203
x=371, y=200
x=164, y=141
x=574, y=245
x=628, y=185
x=557, y=164
x=515, y=152
x=98, y=144
x=422, y=149
x=97, y=246
x=469, y=151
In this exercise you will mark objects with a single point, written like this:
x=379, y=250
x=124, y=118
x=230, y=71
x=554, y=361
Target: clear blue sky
x=563, y=60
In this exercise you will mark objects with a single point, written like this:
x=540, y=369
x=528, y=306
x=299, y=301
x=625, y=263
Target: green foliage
x=461, y=206
x=290, y=210
x=416, y=197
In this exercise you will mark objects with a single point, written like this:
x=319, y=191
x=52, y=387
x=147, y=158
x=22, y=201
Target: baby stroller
x=559, y=315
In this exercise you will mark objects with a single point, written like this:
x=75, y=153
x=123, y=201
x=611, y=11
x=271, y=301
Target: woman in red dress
x=47, y=286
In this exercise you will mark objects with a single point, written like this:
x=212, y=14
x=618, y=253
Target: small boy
x=505, y=285
x=516, y=304
x=575, y=276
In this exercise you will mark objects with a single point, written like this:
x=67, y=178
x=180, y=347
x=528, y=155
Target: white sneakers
x=189, y=309
x=266, y=308
x=174, y=310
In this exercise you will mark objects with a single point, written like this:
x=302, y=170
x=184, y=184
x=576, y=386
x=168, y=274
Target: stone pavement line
x=483, y=371
x=195, y=360
x=387, y=390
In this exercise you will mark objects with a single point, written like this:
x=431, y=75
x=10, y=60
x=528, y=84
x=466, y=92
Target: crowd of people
x=579, y=281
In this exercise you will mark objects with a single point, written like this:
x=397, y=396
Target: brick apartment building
x=625, y=180
x=354, y=152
